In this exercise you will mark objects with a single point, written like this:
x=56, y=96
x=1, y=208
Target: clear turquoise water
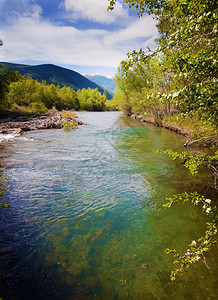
x=86, y=219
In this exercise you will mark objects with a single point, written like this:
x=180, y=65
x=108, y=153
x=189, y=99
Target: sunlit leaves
x=196, y=249
x=188, y=46
x=194, y=162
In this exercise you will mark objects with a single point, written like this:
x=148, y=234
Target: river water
x=86, y=217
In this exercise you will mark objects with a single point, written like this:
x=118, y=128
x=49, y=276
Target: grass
x=201, y=131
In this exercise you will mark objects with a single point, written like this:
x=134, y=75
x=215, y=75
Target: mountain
x=103, y=81
x=56, y=75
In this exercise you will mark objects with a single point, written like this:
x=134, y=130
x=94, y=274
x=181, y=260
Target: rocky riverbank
x=51, y=120
x=152, y=120
x=204, y=137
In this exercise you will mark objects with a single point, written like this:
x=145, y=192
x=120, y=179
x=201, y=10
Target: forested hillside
x=53, y=74
x=25, y=95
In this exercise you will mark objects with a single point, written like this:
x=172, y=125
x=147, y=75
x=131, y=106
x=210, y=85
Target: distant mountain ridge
x=103, y=81
x=56, y=75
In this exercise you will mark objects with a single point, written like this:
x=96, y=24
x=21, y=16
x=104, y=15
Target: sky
x=77, y=34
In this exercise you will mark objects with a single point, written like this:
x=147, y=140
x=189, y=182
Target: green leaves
x=196, y=249
x=187, y=45
x=6, y=78
x=32, y=97
x=68, y=125
x=193, y=161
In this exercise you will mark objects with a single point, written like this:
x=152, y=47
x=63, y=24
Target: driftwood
x=189, y=142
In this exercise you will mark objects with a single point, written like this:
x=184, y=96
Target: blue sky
x=78, y=34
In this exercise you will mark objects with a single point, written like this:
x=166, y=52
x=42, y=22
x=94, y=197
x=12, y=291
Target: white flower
x=208, y=210
x=194, y=243
x=204, y=206
x=207, y=200
x=175, y=95
x=197, y=258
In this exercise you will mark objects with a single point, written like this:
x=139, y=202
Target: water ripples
x=86, y=213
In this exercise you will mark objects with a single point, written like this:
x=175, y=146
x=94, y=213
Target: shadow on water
x=24, y=271
x=88, y=221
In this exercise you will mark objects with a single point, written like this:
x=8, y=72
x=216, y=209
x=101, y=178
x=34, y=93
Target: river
x=86, y=217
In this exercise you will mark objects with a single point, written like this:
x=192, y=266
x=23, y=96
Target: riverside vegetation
x=176, y=86
x=29, y=96
x=21, y=96
x=173, y=86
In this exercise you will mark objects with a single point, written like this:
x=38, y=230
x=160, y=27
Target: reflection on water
x=87, y=221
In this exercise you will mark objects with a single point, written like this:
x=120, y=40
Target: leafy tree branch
x=196, y=249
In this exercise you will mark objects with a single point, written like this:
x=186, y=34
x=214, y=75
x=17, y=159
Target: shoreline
x=51, y=120
x=141, y=118
x=203, y=141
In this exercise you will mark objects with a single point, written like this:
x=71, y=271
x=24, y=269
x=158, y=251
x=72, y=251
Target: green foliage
x=186, y=77
x=198, y=130
x=192, y=51
x=57, y=75
x=197, y=249
x=141, y=6
x=141, y=86
x=112, y=105
x=68, y=114
x=193, y=161
x=6, y=78
x=68, y=125
x=37, y=108
x=91, y=99
x=29, y=96
x=32, y=97
x=68, y=122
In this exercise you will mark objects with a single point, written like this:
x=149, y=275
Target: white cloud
x=35, y=11
x=141, y=28
x=11, y=10
x=95, y=10
x=150, y=43
x=31, y=39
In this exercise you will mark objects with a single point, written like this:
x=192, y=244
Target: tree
x=143, y=85
x=105, y=94
x=188, y=42
x=6, y=78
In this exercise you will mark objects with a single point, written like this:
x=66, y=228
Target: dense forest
x=54, y=74
x=26, y=95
